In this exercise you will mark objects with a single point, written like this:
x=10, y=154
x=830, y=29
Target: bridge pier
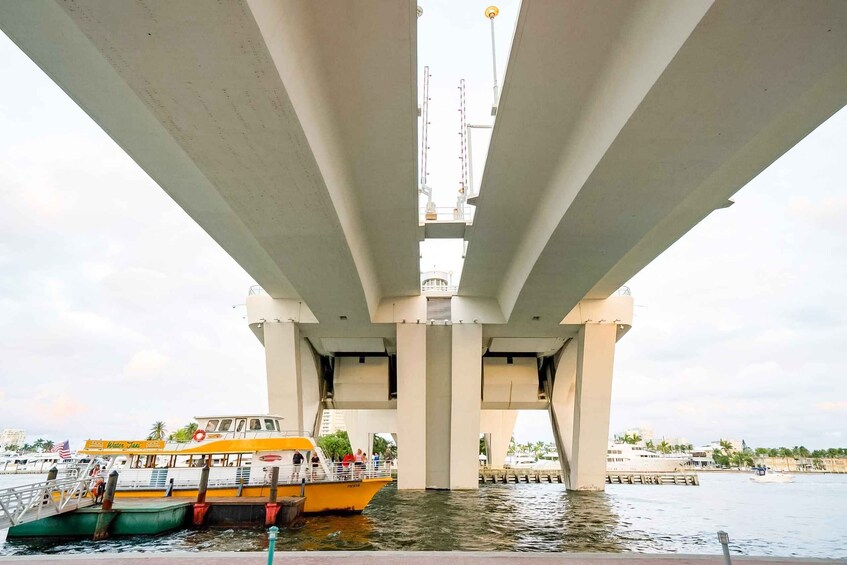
x=580, y=404
x=498, y=426
x=292, y=377
x=466, y=382
x=411, y=406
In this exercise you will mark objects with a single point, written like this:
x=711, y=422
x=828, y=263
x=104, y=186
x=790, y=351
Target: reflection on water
x=805, y=518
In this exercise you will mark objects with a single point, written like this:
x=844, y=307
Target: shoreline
x=747, y=472
x=403, y=558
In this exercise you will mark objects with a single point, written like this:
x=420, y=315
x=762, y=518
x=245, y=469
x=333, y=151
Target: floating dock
x=150, y=516
x=513, y=476
x=129, y=516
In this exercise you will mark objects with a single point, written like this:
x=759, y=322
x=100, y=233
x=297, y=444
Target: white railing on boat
x=232, y=477
x=31, y=502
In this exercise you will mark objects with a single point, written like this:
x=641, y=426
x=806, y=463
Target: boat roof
x=222, y=446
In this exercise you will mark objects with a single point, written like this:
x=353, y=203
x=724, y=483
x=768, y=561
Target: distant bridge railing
x=429, y=287
x=447, y=214
x=27, y=503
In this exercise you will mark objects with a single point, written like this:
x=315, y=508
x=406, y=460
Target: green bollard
x=272, y=532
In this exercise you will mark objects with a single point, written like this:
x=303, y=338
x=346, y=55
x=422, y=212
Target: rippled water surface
x=806, y=518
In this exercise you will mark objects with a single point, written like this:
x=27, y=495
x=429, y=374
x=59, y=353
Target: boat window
x=277, y=424
x=239, y=425
x=269, y=425
x=225, y=425
x=255, y=424
x=211, y=425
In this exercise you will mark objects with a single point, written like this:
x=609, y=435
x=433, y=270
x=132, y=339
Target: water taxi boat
x=241, y=452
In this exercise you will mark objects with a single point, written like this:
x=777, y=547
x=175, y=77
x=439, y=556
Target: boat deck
x=140, y=505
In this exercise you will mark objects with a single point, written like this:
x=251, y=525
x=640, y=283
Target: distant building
x=735, y=443
x=9, y=437
x=676, y=440
x=646, y=433
x=332, y=421
x=701, y=457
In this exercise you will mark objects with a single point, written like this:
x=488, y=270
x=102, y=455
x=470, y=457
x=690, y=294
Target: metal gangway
x=27, y=503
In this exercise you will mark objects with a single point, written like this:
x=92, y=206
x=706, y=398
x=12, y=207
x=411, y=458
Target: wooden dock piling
x=200, y=507
x=106, y=515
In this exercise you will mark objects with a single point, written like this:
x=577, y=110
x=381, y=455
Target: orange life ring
x=199, y=435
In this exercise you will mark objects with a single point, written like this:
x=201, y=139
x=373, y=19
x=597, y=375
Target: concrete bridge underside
x=287, y=130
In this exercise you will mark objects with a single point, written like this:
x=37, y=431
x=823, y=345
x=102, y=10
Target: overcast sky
x=116, y=309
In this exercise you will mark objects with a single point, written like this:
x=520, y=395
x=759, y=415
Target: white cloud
x=837, y=406
x=144, y=364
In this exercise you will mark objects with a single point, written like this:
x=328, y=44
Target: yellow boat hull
x=340, y=496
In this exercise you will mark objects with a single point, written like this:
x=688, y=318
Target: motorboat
x=765, y=475
x=241, y=453
x=624, y=457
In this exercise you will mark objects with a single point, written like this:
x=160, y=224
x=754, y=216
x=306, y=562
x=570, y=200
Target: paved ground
x=400, y=558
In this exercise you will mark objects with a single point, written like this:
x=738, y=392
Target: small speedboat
x=765, y=475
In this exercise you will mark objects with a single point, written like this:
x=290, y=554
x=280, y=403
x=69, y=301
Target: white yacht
x=548, y=461
x=624, y=457
x=519, y=461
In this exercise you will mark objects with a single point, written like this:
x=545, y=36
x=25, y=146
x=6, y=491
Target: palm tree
x=740, y=459
x=631, y=439
x=663, y=447
x=157, y=431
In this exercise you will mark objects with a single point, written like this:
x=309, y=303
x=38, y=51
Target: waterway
x=807, y=518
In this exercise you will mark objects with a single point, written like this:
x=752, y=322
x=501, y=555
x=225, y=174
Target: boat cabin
x=231, y=427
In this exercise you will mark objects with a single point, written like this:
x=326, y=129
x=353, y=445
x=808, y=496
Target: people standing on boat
x=297, y=460
x=98, y=484
x=358, y=463
x=376, y=461
x=345, y=465
x=316, y=461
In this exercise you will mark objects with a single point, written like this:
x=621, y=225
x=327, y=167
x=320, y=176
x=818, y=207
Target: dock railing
x=27, y=503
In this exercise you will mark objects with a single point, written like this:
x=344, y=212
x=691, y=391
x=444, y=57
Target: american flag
x=63, y=449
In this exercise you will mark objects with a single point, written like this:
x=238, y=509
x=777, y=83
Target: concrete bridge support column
x=411, y=406
x=499, y=425
x=580, y=406
x=466, y=383
x=363, y=424
x=438, y=408
x=292, y=377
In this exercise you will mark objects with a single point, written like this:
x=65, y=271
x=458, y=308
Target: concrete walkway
x=400, y=558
